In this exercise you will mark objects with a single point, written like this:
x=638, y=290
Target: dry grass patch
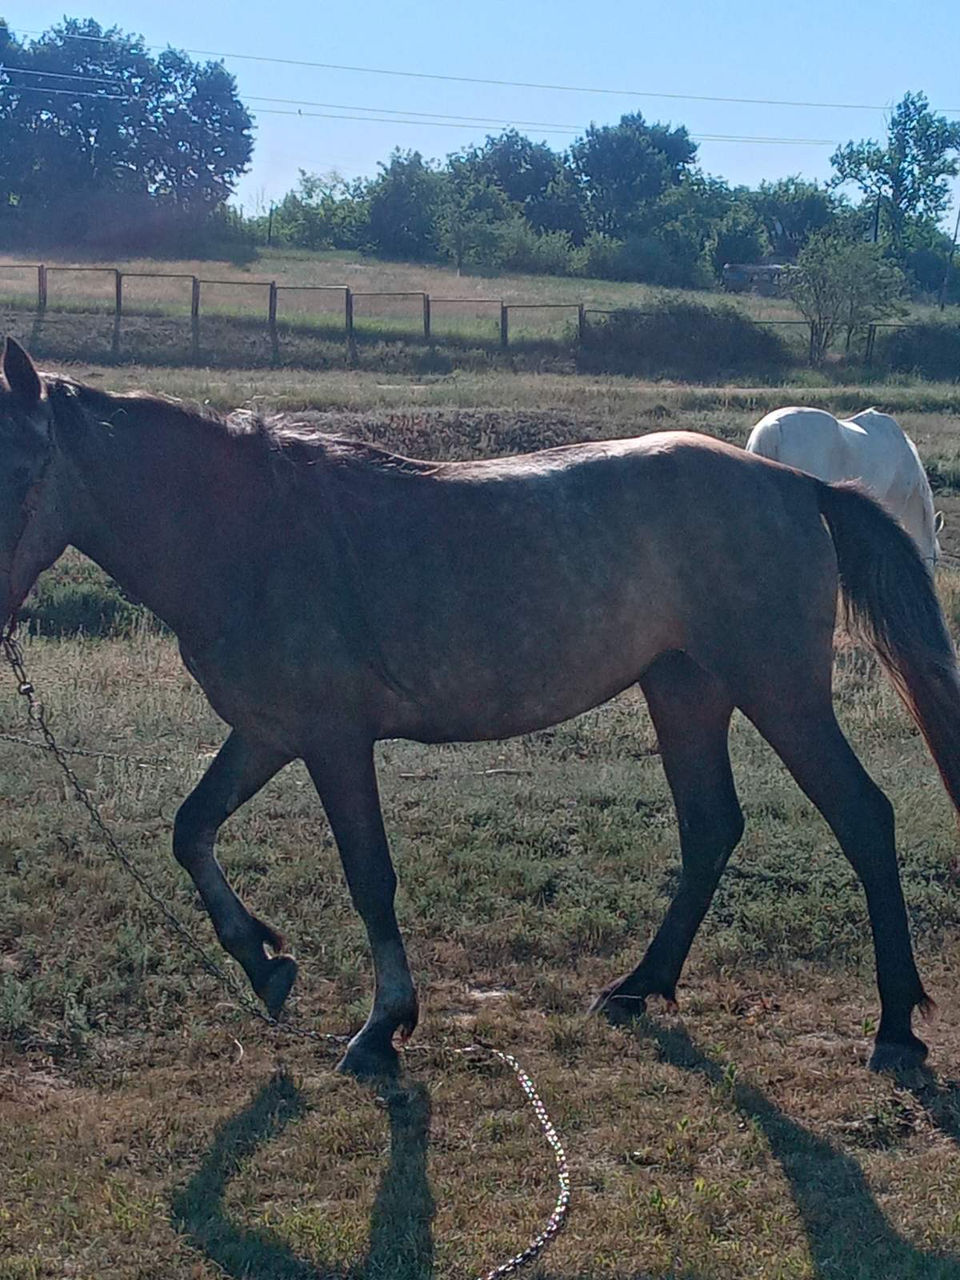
x=149, y=1128
x=744, y=1139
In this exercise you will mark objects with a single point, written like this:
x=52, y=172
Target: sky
x=865, y=54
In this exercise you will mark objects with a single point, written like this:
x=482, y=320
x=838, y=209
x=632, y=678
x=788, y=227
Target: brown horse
x=327, y=595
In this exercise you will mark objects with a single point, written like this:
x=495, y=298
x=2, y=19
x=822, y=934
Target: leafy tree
x=907, y=178
x=740, y=236
x=560, y=207
x=792, y=210
x=97, y=134
x=842, y=284
x=521, y=168
x=324, y=212
x=535, y=179
x=470, y=211
x=625, y=168
x=404, y=200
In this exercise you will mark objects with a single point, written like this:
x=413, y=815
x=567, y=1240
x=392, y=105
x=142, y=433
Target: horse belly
x=515, y=679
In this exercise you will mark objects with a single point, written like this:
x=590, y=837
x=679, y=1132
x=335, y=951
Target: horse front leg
x=347, y=785
x=240, y=769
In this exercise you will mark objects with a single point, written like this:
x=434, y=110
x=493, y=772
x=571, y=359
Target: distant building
x=761, y=277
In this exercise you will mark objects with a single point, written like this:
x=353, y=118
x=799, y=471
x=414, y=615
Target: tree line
x=104, y=145
x=628, y=201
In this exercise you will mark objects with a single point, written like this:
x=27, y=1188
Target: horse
x=327, y=594
x=870, y=447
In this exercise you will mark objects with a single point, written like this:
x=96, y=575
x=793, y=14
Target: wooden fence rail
x=426, y=308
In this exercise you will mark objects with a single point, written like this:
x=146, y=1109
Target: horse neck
x=156, y=501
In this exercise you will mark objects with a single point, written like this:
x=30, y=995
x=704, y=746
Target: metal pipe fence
x=113, y=297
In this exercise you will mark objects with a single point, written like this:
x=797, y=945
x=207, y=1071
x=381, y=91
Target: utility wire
x=512, y=84
x=436, y=119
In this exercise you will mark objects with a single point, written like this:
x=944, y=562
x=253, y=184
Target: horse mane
x=281, y=438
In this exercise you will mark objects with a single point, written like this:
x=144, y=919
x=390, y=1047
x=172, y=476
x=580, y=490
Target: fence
x=112, y=295
x=271, y=308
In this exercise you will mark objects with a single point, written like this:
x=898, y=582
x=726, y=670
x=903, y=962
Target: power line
x=57, y=75
x=388, y=115
x=511, y=84
x=70, y=93
x=437, y=120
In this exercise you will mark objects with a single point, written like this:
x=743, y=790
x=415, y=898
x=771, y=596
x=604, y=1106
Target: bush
x=76, y=597
x=519, y=248
x=931, y=350
x=666, y=259
x=683, y=340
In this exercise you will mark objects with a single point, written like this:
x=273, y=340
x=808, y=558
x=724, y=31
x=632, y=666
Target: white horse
x=870, y=447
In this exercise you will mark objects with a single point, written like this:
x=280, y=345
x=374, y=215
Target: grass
x=293, y=268
x=149, y=1128
x=388, y=334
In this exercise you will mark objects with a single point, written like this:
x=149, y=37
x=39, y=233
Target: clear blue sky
x=821, y=51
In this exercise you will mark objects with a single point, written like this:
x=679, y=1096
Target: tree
x=842, y=284
x=792, y=210
x=325, y=211
x=521, y=168
x=95, y=133
x=404, y=200
x=907, y=178
x=471, y=210
x=625, y=168
x=739, y=237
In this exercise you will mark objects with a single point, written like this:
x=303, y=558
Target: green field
x=149, y=1128
x=465, y=311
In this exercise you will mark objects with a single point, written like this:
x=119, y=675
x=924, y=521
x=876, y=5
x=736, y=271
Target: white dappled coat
x=870, y=447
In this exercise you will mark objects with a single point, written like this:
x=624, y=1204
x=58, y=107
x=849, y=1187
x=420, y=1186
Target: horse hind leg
x=240, y=769
x=812, y=746
x=691, y=713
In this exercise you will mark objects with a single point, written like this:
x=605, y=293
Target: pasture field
x=464, y=307
x=301, y=267
x=149, y=1128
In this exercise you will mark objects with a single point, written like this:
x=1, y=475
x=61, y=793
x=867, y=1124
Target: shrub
x=76, y=597
x=931, y=350
x=669, y=258
x=682, y=339
x=520, y=248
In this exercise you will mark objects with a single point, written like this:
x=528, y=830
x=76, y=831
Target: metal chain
x=37, y=718
x=556, y=1221
x=149, y=763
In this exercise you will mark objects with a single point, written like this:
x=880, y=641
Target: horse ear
x=22, y=378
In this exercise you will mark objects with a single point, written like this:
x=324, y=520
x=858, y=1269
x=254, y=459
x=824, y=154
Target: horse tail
x=890, y=602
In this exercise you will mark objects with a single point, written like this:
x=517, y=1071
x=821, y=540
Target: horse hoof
x=273, y=993
x=619, y=1009
x=365, y=1063
x=890, y=1056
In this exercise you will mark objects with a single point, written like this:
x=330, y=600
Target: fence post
x=195, y=318
x=348, y=313
x=504, y=326
x=118, y=291
x=871, y=339
x=581, y=323
x=41, y=287
x=272, y=306
x=426, y=316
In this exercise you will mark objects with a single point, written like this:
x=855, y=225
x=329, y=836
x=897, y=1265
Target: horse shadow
x=940, y=1099
x=401, y=1240
x=847, y=1232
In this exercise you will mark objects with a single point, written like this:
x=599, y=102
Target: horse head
x=31, y=510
